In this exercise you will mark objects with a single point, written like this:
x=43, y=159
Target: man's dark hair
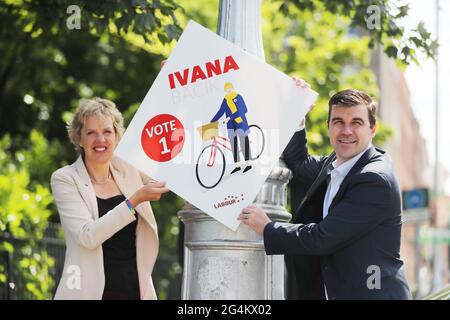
x=353, y=97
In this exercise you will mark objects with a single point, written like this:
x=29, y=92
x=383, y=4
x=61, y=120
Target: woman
x=103, y=203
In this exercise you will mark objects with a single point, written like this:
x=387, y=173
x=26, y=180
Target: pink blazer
x=83, y=274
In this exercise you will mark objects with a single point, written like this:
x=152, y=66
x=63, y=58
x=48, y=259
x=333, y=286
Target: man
x=344, y=239
x=233, y=106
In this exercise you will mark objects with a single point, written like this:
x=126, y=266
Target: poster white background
x=273, y=101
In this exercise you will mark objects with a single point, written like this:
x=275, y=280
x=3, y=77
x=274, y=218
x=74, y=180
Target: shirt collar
x=344, y=168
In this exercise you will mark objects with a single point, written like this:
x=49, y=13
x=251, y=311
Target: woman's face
x=98, y=139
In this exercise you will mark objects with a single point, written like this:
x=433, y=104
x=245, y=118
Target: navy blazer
x=358, y=240
x=241, y=110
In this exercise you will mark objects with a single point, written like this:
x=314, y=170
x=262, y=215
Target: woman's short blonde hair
x=93, y=107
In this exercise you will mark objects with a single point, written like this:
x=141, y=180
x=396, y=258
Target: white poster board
x=171, y=137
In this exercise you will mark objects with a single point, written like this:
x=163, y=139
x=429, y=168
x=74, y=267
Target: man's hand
x=255, y=218
x=302, y=84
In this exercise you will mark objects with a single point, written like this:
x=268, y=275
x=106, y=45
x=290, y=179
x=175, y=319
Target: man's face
x=349, y=131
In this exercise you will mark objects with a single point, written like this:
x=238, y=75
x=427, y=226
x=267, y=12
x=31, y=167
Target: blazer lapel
x=122, y=183
x=324, y=172
x=361, y=163
x=322, y=176
x=85, y=186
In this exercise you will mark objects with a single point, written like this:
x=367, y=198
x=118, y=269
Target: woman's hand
x=152, y=191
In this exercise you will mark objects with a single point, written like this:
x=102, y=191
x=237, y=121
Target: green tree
x=379, y=19
x=322, y=48
x=46, y=68
x=24, y=215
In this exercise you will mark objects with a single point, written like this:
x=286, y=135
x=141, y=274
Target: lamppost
x=219, y=263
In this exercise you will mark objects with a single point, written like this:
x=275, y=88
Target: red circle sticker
x=163, y=137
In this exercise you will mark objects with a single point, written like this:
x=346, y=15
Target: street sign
x=415, y=199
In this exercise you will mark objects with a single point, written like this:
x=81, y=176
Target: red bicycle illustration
x=211, y=163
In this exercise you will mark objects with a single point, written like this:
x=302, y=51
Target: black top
x=119, y=257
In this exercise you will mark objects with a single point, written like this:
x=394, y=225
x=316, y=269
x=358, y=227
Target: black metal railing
x=15, y=286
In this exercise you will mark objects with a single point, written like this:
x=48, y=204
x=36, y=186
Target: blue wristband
x=129, y=205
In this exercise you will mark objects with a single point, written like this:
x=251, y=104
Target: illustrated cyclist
x=234, y=108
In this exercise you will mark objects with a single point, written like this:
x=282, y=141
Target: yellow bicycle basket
x=209, y=131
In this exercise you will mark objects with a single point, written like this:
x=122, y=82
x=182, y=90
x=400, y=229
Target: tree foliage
x=47, y=18
x=45, y=70
x=322, y=48
x=46, y=67
x=379, y=19
x=24, y=215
